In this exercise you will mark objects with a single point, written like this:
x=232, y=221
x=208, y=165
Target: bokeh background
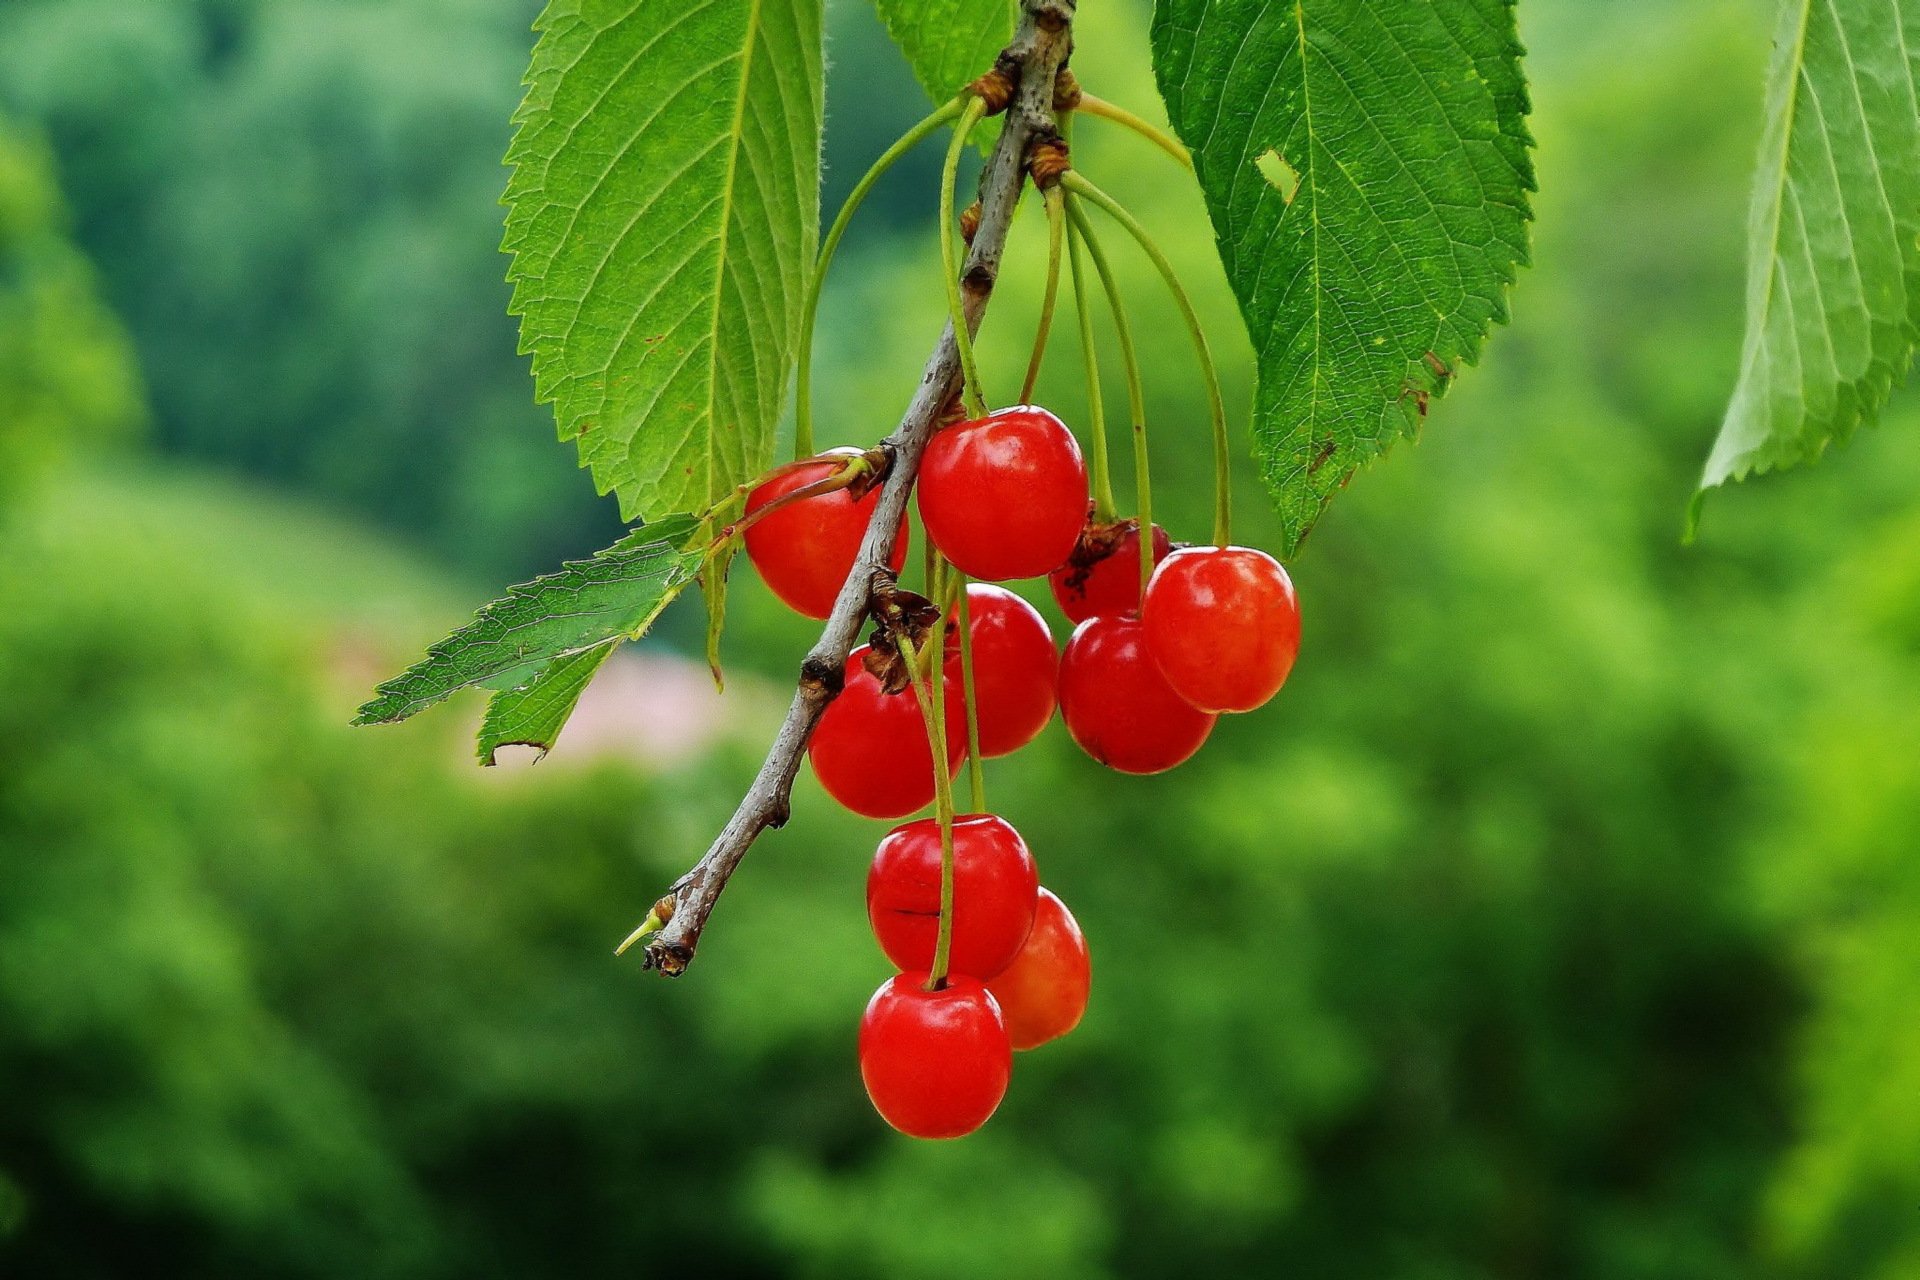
x=1561, y=919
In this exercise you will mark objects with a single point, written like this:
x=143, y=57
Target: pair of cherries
x=870, y=749
x=1141, y=687
x=936, y=1060
x=1003, y=497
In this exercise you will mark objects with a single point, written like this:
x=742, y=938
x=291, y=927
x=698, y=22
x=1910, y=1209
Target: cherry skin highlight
x=1015, y=668
x=995, y=893
x=804, y=551
x=870, y=750
x=1043, y=993
x=1223, y=626
x=1118, y=706
x=935, y=1063
x=1102, y=577
x=1004, y=496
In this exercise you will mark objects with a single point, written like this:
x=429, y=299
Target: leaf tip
x=376, y=710
x=1690, y=530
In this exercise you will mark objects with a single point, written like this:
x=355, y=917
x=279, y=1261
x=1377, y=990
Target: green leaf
x=587, y=605
x=532, y=714
x=1366, y=168
x=948, y=42
x=1833, y=236
x=664, y=211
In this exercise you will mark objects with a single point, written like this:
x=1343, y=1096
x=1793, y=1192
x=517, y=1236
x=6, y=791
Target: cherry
x=1223, y=626
x=805, y=550
x=1118, y=706
x=1102, y=576
x=870, y=749
x=994, y=894
x=1043, y=993
x=1004, y=496
x=936, y=1063
x=1015, y=668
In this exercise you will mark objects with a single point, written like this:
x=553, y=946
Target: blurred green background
x=1561, y=919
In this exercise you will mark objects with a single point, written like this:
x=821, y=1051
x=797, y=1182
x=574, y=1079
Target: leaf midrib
x=736, y=137
x=1777, y=205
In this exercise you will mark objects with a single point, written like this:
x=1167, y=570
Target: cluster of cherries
x=1005, y=497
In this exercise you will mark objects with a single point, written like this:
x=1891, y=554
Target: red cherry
x=1015, y=668
x=994, y=888
x=1004, y=496
x=1044, y=991
x=1103, y=574
x=805, y=550
x=1223, y=626
x=1118, y=706
x=870, y=749
x=936, y=1063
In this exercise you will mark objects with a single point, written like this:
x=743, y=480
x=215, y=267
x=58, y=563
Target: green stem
x=930, y=569
x=803, y=394
x=841, y=478
x=1136, y=398
x=950, y=260
x=1121, y=116
x=1056, y=232
x=1216, y=403
x=976, y=771
x=1104, y=507
x=929, y=692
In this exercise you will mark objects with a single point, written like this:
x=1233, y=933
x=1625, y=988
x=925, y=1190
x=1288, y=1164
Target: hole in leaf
x=1274, y=168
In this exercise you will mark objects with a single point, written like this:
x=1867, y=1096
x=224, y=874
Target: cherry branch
x=1032, y=62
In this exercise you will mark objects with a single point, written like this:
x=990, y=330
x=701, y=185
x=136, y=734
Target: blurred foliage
x=1558, y=920
x=295, y=206
x=68, y=381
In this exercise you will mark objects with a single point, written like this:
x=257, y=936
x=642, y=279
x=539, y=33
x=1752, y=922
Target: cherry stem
x=949, y=260
x=1216, y=403
x=803, y=392
x=844, y=476
x=1104, y=507
x=1136, y=399
x=976, y=771
x=932, y=700
x=1095, y=106
x=1056, y=233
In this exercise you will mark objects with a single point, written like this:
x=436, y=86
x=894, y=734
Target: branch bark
x=1039, y=49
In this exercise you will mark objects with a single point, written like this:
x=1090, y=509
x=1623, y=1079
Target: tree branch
x=1040, y=46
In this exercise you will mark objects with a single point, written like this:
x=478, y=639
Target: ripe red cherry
x=1015, y=668
x=1004, y=496
x=805, y=550
x=1044, y=991
x=1103, y=574
x=1118, y=706
x=1223, y=626
x=936, y=1063
x=994, y=894
x=870, y=749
